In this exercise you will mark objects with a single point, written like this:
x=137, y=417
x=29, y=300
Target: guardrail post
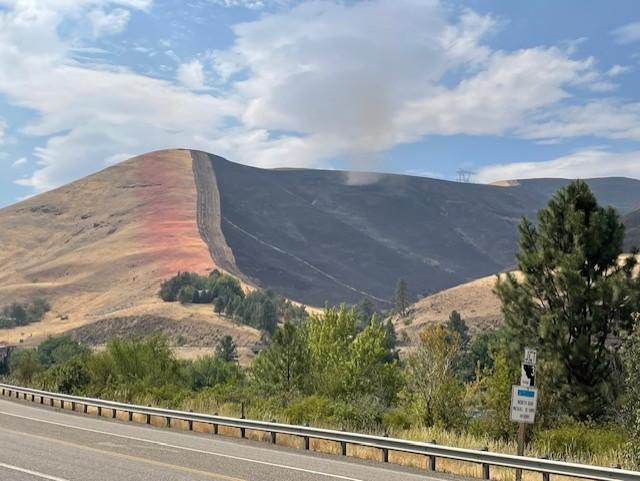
x=343, y=445
x=385, y=451
x=545, y=476
x=85, y=408
x=432, y=459
x=168, y=421
x=99, y=411
x=62, y=404
x=24, y=396
x=51, y=402
x=190, y=422
x=41, y=399
x=306, y=439
x=114, y=413
x=3, y=391
x=33, y=398
x=130, y=416
x=215, y=426
x=274, y=438
x=73, y=406
x=486, y=470
x=243, y=431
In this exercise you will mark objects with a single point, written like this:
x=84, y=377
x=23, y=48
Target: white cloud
x=19, y=162
x=617, y=70
x=338, y=75
x=251, y=4
x=603, y=118
x=191, y=75
x=499, y=98
x=108, y=23
x=583, y=164
x=319, y=80
x=629, y=33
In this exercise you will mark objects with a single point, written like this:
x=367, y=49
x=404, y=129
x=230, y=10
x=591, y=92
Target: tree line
x=260, y=308
x=22, y=314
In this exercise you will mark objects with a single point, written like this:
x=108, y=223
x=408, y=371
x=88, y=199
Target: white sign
x=528, y=375
x=524, y=401
x=530, y=356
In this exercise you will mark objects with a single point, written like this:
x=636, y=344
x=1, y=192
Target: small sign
x=530, y=356
x=528, y=375
x=524, y=401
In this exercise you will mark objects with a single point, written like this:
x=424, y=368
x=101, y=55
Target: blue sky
x=506, y=89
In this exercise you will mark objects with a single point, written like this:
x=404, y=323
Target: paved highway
x=46, y=444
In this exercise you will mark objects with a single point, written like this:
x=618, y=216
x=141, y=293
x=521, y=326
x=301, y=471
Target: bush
x=59, y=349
x=18, y=314
x=24, y=365
x=580, y=439
x=397, y=419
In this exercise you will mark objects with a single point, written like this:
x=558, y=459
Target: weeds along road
x=46, y=444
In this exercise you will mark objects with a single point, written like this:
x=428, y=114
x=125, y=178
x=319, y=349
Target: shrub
x=580, y=439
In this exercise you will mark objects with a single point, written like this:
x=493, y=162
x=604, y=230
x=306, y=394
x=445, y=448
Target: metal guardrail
x=433, y=451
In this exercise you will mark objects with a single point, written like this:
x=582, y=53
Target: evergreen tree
x=402, y=297
x=218, y=305
x=456, y=324
x=226, y=349
x=366, y=310
x=574, y=297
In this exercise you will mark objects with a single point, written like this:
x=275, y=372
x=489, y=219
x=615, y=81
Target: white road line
x=32, y=473
x=200, y=451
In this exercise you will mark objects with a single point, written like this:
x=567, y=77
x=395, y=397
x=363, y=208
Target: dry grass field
x=100, y=247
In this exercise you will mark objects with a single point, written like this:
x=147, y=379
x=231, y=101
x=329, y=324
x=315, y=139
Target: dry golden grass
x=100, y=247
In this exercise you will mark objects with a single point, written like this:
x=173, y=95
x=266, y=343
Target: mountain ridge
x=100, y=246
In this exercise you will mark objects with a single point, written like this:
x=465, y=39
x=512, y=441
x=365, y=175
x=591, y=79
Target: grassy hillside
x=98, y=248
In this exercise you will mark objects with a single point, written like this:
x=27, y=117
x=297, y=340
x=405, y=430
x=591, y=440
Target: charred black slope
x=313, y=237
x=632, y=221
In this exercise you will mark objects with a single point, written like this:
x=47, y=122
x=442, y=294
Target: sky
x=424, y=87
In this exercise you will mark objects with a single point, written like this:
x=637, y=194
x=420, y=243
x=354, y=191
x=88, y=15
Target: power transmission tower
x=465, y=175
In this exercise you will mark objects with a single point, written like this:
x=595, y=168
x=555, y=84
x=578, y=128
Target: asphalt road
x=46, y=444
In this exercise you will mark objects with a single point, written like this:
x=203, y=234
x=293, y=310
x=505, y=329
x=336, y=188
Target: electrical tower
x=465, y=175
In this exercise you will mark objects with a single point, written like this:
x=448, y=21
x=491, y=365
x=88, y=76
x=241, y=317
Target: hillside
x=632, y=221
x=98, y=248
x=315, y=236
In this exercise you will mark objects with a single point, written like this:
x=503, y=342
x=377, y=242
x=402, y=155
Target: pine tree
x=226, y=349
x=456, y=324
x=402, y=297
x=575, y=296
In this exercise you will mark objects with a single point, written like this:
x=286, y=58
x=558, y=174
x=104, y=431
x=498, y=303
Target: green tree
x=186, y=294
x=366, y=310
x=24, y=365
x=17, y=312
x=631, y=357
x=574, y=296
x=456, y=324
x=498, y=396
x=437, y=393
x=218, y=305
x=401, y=299
x=226, y=350
x=283, y=367
x=59, y=349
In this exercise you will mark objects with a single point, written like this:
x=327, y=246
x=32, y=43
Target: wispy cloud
x=626, y=34
x=583, y=164
x=19, y=162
